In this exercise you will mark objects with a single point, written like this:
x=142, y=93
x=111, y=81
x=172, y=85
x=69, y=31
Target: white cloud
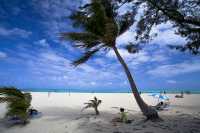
x=14, y=32
x=55, y=12
x=125, y=38
x=164, y=26
x=57, y=69
x=43, y=43
x=141, y=57
x=2, y=55
x=175, y=69
x=159, y=56
x=123, y=52
x=93, y=83
x=87, y=68
x=51, y=56
x=166, y=35
x=171, y=81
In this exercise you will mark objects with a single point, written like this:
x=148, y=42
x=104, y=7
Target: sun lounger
x=33, y=113
x=162, y=106
x=179, y=96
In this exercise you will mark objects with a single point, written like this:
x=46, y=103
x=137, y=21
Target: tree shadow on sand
x=73, y=120
x=184, y=123
x=88, y=122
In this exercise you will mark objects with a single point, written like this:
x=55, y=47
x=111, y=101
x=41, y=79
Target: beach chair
x=163, y=105
x=179, y=96
x=33, y=113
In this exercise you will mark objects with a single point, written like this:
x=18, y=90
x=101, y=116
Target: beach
x=61, y=113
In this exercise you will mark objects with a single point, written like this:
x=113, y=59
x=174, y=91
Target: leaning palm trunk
x=103, y=24
x=96, y=111
x=148, y=111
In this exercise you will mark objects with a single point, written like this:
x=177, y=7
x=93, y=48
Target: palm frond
x=93, y=103
x=11, y=91
x=99, y=27
x=17, y=102
x=91, y=17
x=79, y=18
x=4, y=99
x=88, y=105
x=99, y=102
x=125, y=22
x=8, y=99
x=133, y=48
x=96, y=18
x=84, y=39
x=85, y=57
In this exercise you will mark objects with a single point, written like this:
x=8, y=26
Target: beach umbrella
x=163, y=97
x=159, y=96
x=155, y=95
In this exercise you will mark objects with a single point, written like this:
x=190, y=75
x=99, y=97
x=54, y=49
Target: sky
x=33, y=56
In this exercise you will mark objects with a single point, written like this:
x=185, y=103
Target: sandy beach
x=61, y=113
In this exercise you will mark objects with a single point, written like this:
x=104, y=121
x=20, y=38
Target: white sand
x=62, y=114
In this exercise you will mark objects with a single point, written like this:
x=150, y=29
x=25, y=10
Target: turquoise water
x=193, y=91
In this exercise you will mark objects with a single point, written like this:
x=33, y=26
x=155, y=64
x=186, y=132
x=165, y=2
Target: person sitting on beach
x=162, y=105
x=123, y=117
x=32, y=111
x=179, y=96
x=159, y=105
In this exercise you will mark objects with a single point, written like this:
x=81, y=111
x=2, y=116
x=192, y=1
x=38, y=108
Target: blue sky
x=32, y=56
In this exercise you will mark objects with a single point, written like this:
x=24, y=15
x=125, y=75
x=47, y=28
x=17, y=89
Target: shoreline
x=142, y=92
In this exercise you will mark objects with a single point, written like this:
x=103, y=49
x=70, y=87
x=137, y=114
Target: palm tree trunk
x=148, y=111
x=96, y=111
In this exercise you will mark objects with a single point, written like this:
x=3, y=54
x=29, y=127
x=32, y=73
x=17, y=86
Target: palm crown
x=18, y=102
x=101, y=26
x=94, y=103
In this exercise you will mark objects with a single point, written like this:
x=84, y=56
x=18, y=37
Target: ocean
x=67, y=90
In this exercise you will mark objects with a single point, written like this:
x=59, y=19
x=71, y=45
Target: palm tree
x=93, y=104
x=18, y=102
x=101, y=25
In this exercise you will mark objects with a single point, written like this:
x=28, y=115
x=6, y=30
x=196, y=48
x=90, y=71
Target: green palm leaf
x=18, y=103
x=90, y=40
x=87, y=55
x=100, y=25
